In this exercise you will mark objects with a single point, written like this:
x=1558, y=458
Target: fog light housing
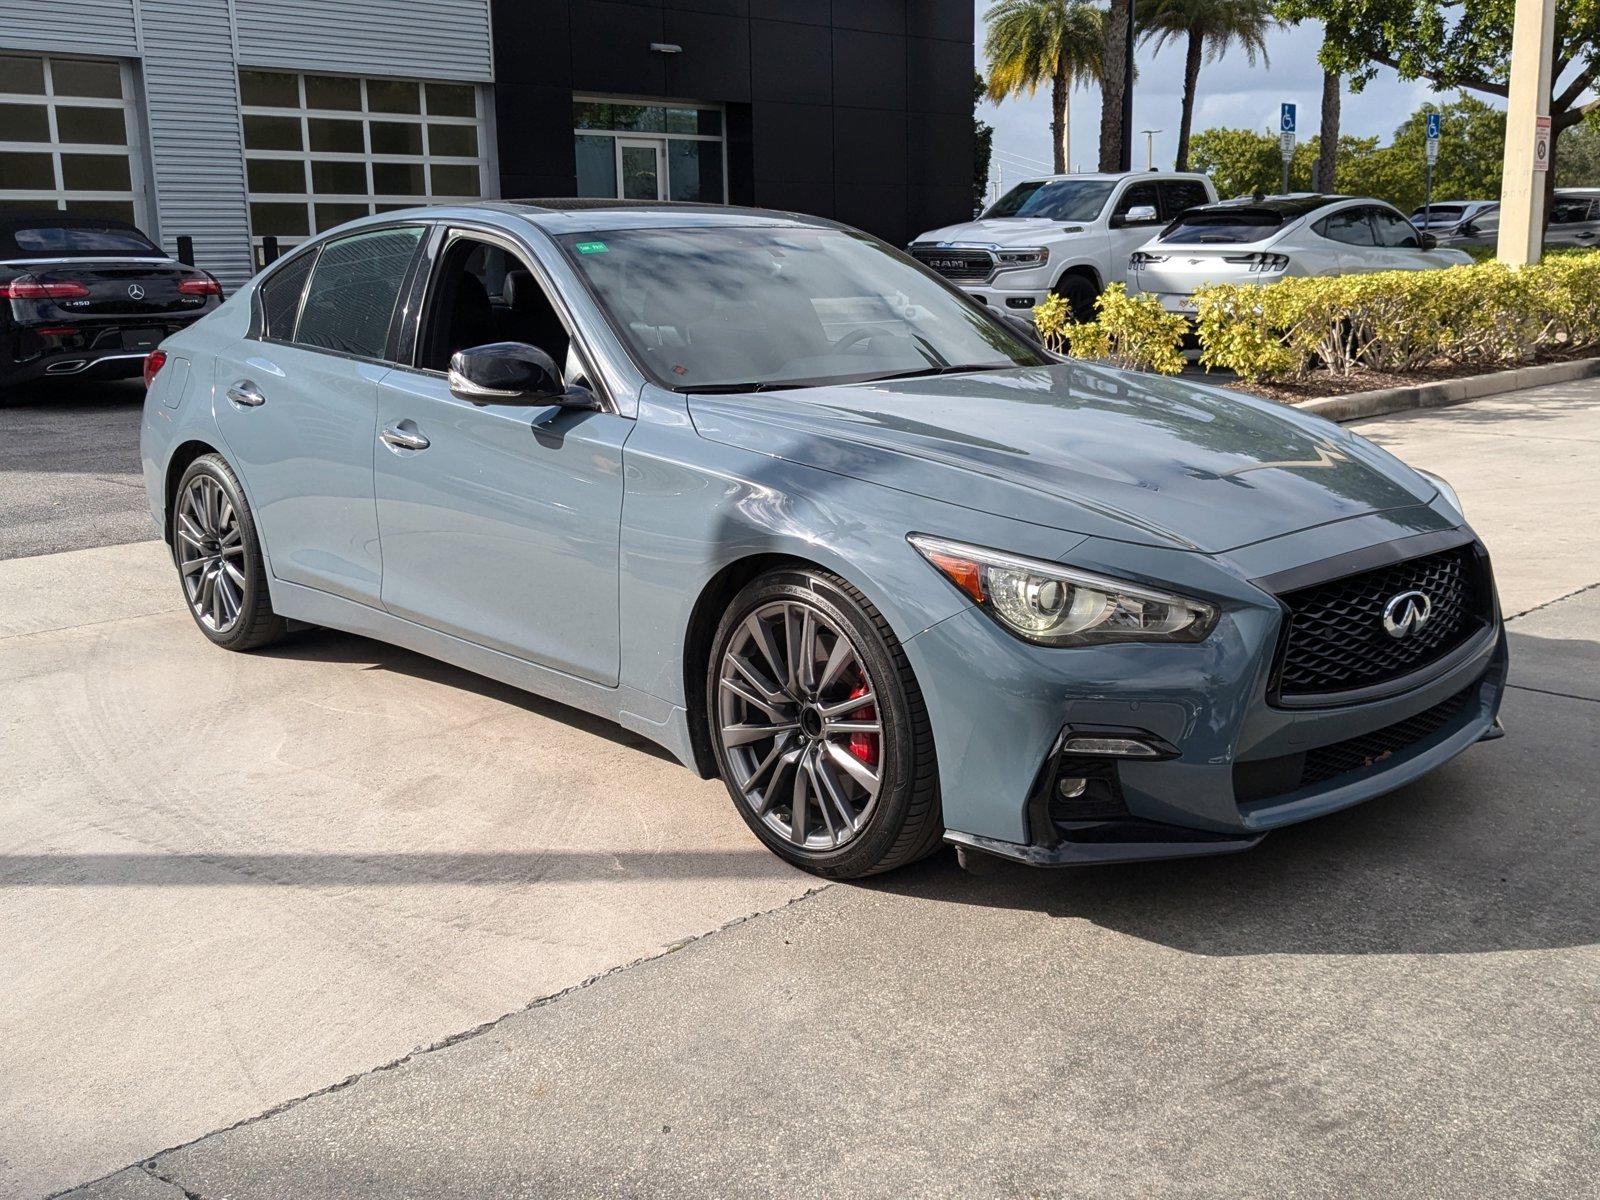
x=1019, y=302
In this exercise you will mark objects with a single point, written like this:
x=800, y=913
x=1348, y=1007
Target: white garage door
x=65, y=134
x=324, y=149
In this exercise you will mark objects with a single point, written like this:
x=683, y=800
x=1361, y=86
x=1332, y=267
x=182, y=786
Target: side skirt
x=649, y=716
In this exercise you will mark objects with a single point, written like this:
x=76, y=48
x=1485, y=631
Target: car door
x=1354, y=243
x=1399, y=244
x=500, y=524
x=296, y=403
x=1572, y=222
x=1127, y=235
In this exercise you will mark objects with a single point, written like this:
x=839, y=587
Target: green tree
x=1033, y=42
x=1457, y=44
x=1239, y=161
x=982, y=144
x=1472, y=137
x=1580, y=155
x=1208, y=30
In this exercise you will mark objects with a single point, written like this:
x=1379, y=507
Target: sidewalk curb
x=1383, y=401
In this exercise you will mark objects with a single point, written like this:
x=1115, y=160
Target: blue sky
x=1231, y=93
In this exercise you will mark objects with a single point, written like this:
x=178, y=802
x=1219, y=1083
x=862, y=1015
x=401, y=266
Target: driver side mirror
x=1139, y=214
x=1427, y=241
x=512, y=373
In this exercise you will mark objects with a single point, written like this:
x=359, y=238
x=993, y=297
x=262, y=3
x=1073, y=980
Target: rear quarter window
x=280, y=297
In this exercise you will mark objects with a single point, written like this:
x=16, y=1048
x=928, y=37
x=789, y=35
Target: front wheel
x=1080, y=294
x=819, y=728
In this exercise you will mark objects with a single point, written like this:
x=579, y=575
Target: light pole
x=1528, y=133
x=1150, y=148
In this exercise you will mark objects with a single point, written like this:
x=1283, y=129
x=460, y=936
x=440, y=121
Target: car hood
x=1080, y=448
x=999, y=231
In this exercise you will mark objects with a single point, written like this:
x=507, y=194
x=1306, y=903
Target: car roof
x=574, y=214
x=1287, y=208
x=1114, y=176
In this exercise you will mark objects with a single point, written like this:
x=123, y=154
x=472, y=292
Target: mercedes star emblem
x=136, y=291
x=1406, y=614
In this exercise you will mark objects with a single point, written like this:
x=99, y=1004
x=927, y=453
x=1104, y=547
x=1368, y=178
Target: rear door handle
x=401, y=439
x=246, y=394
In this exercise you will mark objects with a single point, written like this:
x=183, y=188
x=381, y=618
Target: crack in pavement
x=1522, y=687
x=148, y=1164
x=1588, y=587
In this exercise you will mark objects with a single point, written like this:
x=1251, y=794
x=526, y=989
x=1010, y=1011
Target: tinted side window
x=354, y=289
x=1394, y=230
x=1349, y=226
x=1136, y=196
x=280, y=297
x=1180, y=194
x=1569, y=210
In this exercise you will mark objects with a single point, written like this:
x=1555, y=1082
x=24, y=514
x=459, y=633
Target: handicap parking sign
x=1287, y=119
x=1433, y=127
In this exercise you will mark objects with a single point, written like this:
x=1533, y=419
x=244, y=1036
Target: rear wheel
x=1080, y=293
x=219, y=559
x=819, y=728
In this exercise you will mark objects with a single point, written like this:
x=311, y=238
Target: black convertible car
x=89, y=295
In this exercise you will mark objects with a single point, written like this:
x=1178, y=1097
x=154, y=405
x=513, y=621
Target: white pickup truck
x=1065, y=234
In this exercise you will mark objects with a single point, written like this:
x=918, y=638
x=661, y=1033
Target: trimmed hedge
x=1485, y=314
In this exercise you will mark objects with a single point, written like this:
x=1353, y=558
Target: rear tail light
x=200, y=285
x=1143, y=258
x=1260, y=261
x=153, y=363
x=29, y=287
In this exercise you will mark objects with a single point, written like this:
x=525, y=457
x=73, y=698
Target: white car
x=1263, y=240
x=1441, y=215
x=1069, y=235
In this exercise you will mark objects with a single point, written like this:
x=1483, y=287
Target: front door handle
x=246, y=394
x=401, y=439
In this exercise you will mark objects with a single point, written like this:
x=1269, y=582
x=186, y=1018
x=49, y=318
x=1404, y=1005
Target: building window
x=650, y=150
x=64, y=137
x=324, y=149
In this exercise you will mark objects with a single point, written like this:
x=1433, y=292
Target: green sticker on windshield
x=591, y=247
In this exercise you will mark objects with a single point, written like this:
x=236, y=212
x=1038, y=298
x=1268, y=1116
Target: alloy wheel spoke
x=762, y=637
x=773, y=692
x=793, y=639
x=231, y=573
x=759, y=775
x=832, y=792
x=842, y=654
x=851, y=727
x=840, y=707
x=190, y=566
x=743, y=735
x=853, y=767
x=749, y=696
x=811, y=763
x=797, y=802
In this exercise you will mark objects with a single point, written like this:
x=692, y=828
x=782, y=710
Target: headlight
x=1445, y=490
x=1010, y=259
x=1058, y=606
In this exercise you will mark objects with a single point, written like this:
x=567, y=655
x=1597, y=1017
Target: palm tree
x=1209, y=28
x=1030, y=42
x=1328, y=133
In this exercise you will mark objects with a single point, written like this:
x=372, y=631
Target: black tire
x=250, y=622
x=1080, y=294
x=903, y=823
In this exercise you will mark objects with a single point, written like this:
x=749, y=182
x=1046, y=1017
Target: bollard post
x=186, y=250
x=269, y=250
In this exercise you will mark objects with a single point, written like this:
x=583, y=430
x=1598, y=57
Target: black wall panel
x=858, y=110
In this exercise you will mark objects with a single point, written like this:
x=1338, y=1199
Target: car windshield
x=1054, y=199
x=70, y=240
x=750, y=308
x=1227, y=228
x=1438, y=214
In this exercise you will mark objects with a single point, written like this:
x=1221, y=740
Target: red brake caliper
x=864, y=745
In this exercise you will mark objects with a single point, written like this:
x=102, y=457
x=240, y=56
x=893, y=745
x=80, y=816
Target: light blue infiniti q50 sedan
x=767, y=492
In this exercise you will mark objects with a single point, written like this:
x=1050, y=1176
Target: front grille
x=1267, y=779
x=1336, y=640
x=960, y=266
x=1370, y=749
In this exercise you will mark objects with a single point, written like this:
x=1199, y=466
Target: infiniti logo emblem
x=136, y=291
x=1406, y=614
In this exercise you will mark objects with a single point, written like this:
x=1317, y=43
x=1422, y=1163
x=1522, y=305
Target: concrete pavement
x=69, y=467
x=326, y=856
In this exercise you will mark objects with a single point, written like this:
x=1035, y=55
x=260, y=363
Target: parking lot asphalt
x=249, y=891
x=69, y=467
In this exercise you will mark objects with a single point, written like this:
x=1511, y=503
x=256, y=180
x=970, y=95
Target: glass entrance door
x=639, y=168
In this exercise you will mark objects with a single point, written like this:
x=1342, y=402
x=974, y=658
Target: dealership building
x=232, y=121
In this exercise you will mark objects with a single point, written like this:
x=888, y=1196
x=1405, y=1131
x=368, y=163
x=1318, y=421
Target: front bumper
x=1009, y=295
x=1239, y=765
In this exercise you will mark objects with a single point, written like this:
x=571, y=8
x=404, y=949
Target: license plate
x=143, y=339
x=1184, y=302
